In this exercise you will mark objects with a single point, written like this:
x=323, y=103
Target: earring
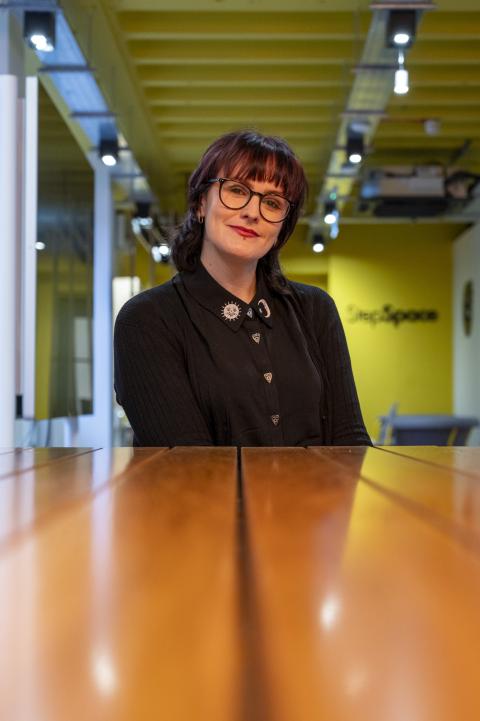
x=201, y=219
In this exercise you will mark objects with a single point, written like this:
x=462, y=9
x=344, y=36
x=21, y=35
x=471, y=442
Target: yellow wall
x=44, y=332
x=410, y=267
x=47, y=294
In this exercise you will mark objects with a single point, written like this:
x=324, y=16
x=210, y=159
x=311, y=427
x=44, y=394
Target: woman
x=229, y=352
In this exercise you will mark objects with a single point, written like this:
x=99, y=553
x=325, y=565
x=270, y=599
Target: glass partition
x=64, y=270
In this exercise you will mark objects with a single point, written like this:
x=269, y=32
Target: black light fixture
x=143, y=214
x=142, y=209
x=39, y=30
x=355, y=147
x=108, y=151
x=161, y=253
x=330, y=212
x=401, y=27
x=318, y=243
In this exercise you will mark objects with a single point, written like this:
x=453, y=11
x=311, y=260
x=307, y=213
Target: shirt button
x=256, y=337
x=250, y=313
x=275, y=419
x=268, y=377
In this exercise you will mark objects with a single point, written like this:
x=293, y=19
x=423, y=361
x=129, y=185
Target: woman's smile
x=244, y=232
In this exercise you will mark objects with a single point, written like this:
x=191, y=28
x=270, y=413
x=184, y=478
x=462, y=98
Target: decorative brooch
x=231, y=311
x=263, y=308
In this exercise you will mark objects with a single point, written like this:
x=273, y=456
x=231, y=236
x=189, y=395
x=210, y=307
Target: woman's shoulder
x=311, y=295
x=159, y=302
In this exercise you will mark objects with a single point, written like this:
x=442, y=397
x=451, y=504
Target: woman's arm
x=348, y=428
x=152, y=385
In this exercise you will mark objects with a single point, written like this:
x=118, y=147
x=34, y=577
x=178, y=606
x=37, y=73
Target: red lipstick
x=244, y=232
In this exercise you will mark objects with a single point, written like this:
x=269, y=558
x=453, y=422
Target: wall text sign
x=390, y=315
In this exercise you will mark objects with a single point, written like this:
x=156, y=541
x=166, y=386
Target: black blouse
x=195, y=365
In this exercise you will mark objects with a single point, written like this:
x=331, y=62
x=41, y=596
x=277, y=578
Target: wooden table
x=284, y=585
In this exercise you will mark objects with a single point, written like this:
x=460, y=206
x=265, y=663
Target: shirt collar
x=226, y=306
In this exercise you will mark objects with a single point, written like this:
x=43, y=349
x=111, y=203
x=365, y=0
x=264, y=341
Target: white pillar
x=102, y=303
x=96, y=430
x=29, y=254
x=8, y=212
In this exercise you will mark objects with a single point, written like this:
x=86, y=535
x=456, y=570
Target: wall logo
x=389, y=314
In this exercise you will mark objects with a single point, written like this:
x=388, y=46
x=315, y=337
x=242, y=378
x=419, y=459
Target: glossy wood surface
x=446, y=494
x=18, y=460
x=304, y=584
x=459, y=458
x=118, y=596
x=367, y=608
x=37, y=489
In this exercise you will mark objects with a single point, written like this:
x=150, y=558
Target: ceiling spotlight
x=401, y=86
x=318, y=243
x=401, y=26
x=156, y=254
x=160, y=253
x=164, y=250
x=109, y=159
x=355, y=148
x=330, y=212
x=108, y=151
x=39, y=30
x=143, y=215
x=401, y=39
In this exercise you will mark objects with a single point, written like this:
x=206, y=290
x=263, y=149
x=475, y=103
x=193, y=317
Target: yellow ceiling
x=178, y=73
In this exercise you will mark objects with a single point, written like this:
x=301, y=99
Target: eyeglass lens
x=235, y=195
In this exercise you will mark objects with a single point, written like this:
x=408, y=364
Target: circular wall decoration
x=467, y=307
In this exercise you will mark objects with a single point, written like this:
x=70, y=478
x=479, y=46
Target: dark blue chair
x=427, y=430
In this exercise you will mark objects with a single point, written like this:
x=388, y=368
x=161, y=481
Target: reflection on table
x=283, y=585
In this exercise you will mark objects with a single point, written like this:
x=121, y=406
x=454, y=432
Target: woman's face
x=237, y=234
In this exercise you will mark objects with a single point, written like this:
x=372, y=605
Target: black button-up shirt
x=195, y=365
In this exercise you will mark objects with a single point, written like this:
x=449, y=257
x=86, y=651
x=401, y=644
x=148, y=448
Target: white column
x=8, y=211
x=466, y=346
x=29, y=255
x=102, y=303
x=96, y=430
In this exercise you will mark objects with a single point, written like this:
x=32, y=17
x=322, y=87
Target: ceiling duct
x=417, y=191
x=368, y=98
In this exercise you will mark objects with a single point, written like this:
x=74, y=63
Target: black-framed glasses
x=236, y=195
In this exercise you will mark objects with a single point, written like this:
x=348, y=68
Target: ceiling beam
x=276, y=25
x=306, y=52
x=283, y=25
x=213, y=6
x=296, y=76
x=205, y=116
x=226, y=75
x=99, y=38
x=269, y=52
x=437, y=96
x=239, y=96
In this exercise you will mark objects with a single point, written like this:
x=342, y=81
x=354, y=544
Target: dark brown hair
x=251, y=156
